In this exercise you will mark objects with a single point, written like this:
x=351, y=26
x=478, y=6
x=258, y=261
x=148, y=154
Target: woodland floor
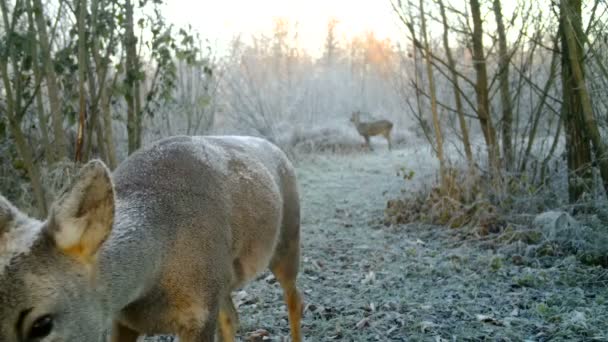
x=363, y=281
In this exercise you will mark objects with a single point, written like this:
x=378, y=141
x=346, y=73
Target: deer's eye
x=41, y=328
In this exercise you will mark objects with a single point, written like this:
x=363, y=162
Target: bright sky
x=219, y=21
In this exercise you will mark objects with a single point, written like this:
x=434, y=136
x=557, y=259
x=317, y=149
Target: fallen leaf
x=369, y=278
x=258, y=335
x=488, y=319
x=363, y=323
x=270, y=279
x=427, y=326
x=390, y=331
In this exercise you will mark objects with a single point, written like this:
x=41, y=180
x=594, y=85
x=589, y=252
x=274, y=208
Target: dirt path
x=366, y=282
x=343, y=199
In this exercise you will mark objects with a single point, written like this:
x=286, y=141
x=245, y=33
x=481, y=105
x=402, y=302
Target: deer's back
x=201, y=203
x=374, y=127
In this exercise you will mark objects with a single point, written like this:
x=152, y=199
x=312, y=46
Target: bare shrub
x=325, y=139
x=462, y=203
x=520, y=216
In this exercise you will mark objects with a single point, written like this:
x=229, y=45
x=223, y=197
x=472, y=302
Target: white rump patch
x=18, y=240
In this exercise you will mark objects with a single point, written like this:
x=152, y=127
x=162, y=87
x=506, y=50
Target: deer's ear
x=81, y=219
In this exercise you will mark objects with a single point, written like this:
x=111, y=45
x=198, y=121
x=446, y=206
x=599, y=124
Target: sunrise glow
x=222, y=20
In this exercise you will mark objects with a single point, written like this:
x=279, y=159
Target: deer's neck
x=126, y=267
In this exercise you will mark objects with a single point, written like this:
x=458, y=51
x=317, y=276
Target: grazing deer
x=369, y=129
x=154, y=248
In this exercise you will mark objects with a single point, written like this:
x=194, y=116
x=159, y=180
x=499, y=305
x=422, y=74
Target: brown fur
x=373, y=128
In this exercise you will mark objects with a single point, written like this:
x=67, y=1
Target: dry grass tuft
x=462, y=203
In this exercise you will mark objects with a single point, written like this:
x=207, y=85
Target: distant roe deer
x=369, y=129
x=156, y=247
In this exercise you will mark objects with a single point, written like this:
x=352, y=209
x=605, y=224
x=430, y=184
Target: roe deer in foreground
x=369, y=129
x=154, y=248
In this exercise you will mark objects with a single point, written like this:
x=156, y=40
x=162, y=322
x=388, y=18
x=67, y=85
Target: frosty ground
x=364, y=281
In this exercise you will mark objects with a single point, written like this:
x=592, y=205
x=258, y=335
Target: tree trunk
x=60, y=146
x=103, y=154
x=93, y=113
x=505, y=96
x=101, y=105
x=132, y=79
x=81, y=7
x=138, y=111
x=92, y=77
x=538, y=112
x=42, y=119
x=481, y=89
x=578, y=148
x=108, y=133
x=458, y=101
x=572, y=34
x=431, y=79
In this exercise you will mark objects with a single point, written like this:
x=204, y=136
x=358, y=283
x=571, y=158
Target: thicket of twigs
x=539, y=101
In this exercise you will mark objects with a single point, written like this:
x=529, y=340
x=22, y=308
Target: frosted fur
x=158, y=245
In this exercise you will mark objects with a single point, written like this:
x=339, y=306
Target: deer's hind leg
x=285, y=269
x=367, y=143
x=285, y=262
x=228, y=320
x=387, y=135
x=121, y=333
